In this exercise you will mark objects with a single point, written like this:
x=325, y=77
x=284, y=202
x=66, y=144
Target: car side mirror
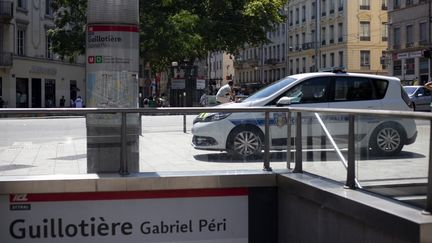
x=284, y=101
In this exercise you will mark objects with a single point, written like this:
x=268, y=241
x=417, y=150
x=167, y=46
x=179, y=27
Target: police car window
x=271, y=89
x=380, y=87
x=427, y=92
x=309, y=91
x=353, y=88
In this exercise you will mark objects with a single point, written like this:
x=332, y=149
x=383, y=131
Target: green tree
x=172, y=30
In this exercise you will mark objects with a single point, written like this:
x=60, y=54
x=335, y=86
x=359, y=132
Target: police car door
x=311, y=92
x=351, y=93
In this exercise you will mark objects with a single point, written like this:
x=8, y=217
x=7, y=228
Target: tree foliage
x=173, y=30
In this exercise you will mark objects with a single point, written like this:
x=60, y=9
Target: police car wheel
x=387, y=139
x=245, y=142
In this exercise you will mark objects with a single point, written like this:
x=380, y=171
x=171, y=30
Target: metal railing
x=298, y=160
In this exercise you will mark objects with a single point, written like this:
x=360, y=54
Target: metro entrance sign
x=194, y=215
x=112, y=60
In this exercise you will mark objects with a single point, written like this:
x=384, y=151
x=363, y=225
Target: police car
x=242, y=134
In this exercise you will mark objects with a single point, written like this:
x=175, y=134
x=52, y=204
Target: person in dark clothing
x=62, y=101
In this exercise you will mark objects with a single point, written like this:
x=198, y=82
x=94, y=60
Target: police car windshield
x=271, y=89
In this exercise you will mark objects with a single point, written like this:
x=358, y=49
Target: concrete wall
x=315, y=210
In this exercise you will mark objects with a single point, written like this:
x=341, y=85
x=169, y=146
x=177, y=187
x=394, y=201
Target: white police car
x=242, y=134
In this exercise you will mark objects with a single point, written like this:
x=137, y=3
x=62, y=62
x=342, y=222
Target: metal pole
x=350, y=182
x=267, y=143
x=184, y=123
x=289, y=140
x=298, y=143
x=428, y=208
x=123, y=148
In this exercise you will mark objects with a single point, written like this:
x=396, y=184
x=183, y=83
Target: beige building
x=409, y=35
x=220, y=69
x=349, y=33
x=30, y=74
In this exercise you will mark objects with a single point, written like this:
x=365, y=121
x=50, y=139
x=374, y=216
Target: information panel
x=200, y=215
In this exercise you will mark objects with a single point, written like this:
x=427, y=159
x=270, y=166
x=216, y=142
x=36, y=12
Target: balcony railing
x=364, y=7
x=307, y=46
x=6, y=10
x=365, y=38
x=6, y=59
x=409, y=44
x=272, y=61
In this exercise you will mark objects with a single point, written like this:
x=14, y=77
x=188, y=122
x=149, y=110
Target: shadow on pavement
x=280, y=156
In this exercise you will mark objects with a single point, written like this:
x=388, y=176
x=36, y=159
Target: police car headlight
x=217, y=116
x=209, y=117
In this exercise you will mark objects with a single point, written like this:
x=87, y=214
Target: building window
x=323, y=8
x=304, y=65
x=291, y=67
x=22, y=4
x=314, y=9
x=341, y=57
x=291, y=18
x=323, y=36
x=283, y=52
x=364, y=4
x=409, y=66
x=397, y=68
x=331, y=34
x=48, y=51
x=384, y=31
x=21, y=41
x=384, y=5
x=423, y=66
x=324, y=61
x=332, y=6
x=409, y=2
x=303, y=13
x=341, y=5
x=340, y=32
x=48, y=8
x=365, y=31
x=423, y=38
x=396, y=4
x=332, y=59
x=365, y=60
x=396, y=38
x=409, y=36
x=297, y=17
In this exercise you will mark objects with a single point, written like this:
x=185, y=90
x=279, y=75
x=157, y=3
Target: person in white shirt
x=204, y=99
x=79, y=102
x=226, y=93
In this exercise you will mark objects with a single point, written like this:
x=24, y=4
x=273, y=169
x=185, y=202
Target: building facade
x=409, y=28
x=331, y=33
x=220, y=69
x=30, y=74
x=349, y=33
x=263, y=64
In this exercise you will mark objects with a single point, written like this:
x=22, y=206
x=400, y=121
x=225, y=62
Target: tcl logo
x=19, y=198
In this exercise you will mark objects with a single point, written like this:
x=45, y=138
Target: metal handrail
x=350, y=182
x=188, y=110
